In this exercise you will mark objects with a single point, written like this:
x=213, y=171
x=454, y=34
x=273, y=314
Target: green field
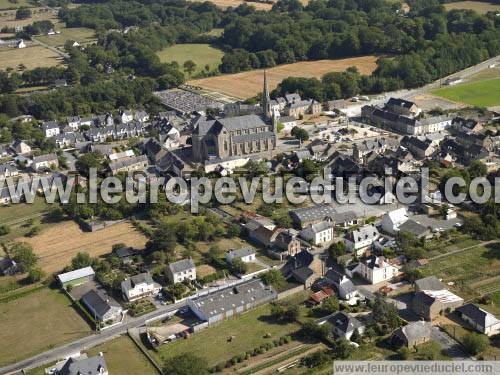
x=478, y=6
x=212, y=344
x=6, y=4
x=201, y=54
x=123, y=357
x=482, y=94
x=82, y=35
x=37, y=322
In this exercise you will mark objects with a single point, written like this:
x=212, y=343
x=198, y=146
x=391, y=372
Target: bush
x=476, y=343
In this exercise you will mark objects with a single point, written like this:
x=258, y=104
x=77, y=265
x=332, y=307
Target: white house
x=343, y=324
x=8, y=170
x=392, y=220
x=21, y=44
x=360, y=239
x=181, y=270
x=344, y=286
x=376, y=269
x=480, y=319
x=319, y=234
x=45, y=161
x=50, y=129
x=139, y=286
x=141, y=116
x=245, y=255
x=74, y=122
x=126, y=117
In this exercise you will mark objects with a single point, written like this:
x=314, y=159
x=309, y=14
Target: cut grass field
x=59, y=243
x=477, y=6
x=6, y=4
x=32, y=57
x=28, y=324
x=8, y=18
x=234, y=3
x=123, y=357
x=248, y=84
x=482, y=93
x=82, y=35
x=212, y=344
x=201, y=54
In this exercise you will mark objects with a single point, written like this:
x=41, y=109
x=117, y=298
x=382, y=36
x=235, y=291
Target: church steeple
x=266, y=100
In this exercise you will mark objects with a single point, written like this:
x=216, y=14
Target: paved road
x=88, y=341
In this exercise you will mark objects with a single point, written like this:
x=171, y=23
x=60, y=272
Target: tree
x=404, y=353
x=4, y=229
x=239, y=267
x=370, y=333
x=35, y=274
x=330, y=305
x=300, y=134
x=177, y=290
x=22, y=13
x=476, y=343
x=318, y=331
x=22, y=254
x=356, y=336
x=274, y=278
x=185, y=364
x=477, y=169
x=81, y=260
x=342, y=348
x=337, y=249
x=284, y=311
x=385, y=313
x=189, y=66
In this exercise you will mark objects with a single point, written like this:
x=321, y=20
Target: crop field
x=201, y=54
x=31, y=57
x=234, y=3
x=478, y=6
x=28, y=325
x=473, y=272
x=82, y=35
x=482, y=93
x=248, y=84
x=59, y=243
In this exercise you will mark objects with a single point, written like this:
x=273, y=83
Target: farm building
x=76, y=277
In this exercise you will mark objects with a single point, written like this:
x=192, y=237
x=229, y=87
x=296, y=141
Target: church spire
x=266, y=100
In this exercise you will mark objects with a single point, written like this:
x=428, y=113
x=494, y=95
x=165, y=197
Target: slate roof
x=396, y=102
x=181, y=265
x=344, y=322
x=429, y=283
x=96, y=302
x=242, y=122
x=7, y=168
x=316, y=212
x=124, y=252
x=364, y=233
x=411, y=226
x=88, y=366
x=142, y=278
x=50, y=125
x=302, y=274
x=478, y=315
x=232, y=298
x=418, y=331
x=240, y=253
x=44, y=158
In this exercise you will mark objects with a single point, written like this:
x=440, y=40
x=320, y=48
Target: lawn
x=16, y=213
x=478, y=6
x=482, y=94
x=82, y=35
x=37, y=322
x=474, y=271
x=123, y=357
x=31, y=57
x=212, y=344
x=201, y=54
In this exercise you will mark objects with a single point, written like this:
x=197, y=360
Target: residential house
x=84, y=366
x=392, y=220
x=304, y=268
x=466, y=125
x=20, y=147
x=68, y=140
x=421, y=149
x=343, y=285
x=359, y=240
x=318, y=234
x=428, y=283
x=412, y=334
x=402, y=107
x=50, y=129
x=21, y=44
x=288, y=122
x=375, y=269
x=415, y=228
x=169, y=137
x=245, y=255
x=429, y=304
x=181, y=270
x=8, y=170
x=73, y=122
x=139, y=286
x=126, y=117
x=126, y=254
x=141, y=116
x=45, y=161
x=104, y=120
x=131, y=164
x=318, y=297
x=76, y=277
x=480, y=319
x=285, y=244
x=343, y=324
x=222, y=304
x=101, y=307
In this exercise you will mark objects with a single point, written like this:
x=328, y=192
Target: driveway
x=452, y=347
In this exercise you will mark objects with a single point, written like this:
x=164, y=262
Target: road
x=88, y=341
x=355, y=110
x=54, y=49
